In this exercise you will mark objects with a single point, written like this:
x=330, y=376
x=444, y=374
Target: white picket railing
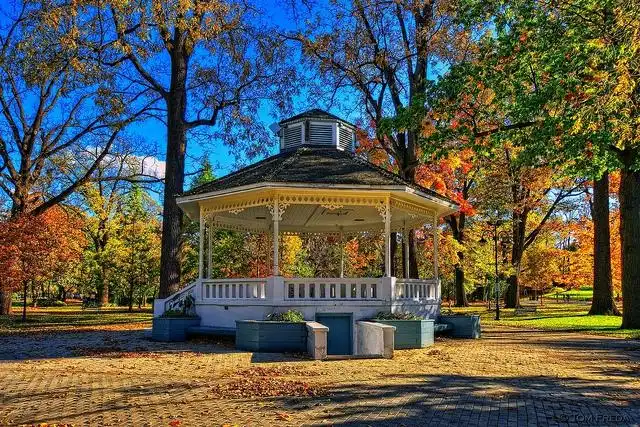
x=233, y=289
x=416, y=289
x=319, y=289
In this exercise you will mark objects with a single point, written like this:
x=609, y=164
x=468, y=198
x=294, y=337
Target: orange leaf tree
x=34, y=248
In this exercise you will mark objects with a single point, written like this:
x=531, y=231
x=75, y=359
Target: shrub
x=45, y=302
x=287, y=316
x=382, y=315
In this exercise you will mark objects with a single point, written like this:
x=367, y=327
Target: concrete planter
x=275, y=337
x=411, y=333
x=463, y=326
x=172, y=328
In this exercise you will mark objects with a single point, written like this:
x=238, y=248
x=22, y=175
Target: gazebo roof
x=318, y=166
x=314, y=113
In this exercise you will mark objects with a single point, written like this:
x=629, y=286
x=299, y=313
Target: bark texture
x=170, y=272
x=630, y=239
x=602, y=302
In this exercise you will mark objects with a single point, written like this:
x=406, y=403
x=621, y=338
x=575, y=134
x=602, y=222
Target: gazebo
x=316, y=184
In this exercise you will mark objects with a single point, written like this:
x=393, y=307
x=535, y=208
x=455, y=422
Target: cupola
x=318, y=128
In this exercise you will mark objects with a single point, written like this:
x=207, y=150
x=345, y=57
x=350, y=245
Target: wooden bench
x=528, y=309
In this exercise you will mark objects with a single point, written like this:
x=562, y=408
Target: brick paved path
x=510, y=377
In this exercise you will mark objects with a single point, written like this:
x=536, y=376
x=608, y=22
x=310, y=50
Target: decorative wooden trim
x=411, y=208
x=328, y=201
x=237, y=227
x=277, y=209
x=238, y=206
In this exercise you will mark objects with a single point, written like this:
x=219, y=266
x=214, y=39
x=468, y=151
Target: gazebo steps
x=211, y=331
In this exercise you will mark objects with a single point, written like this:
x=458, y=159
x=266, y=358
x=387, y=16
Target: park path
x=509, y=377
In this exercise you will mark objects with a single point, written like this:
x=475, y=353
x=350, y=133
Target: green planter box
x=172, y=328
x=275, y=337
x=463, y=326
x=411, y=333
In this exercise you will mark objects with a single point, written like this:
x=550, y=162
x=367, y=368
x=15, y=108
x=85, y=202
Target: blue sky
x=151, y=134
x=154, y=132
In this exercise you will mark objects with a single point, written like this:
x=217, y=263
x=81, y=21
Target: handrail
x=182, y=293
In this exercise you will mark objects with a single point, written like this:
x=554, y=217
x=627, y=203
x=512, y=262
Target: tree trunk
x=630, y=243
x=5, y=301
x=131, y=286
x=394, y=251
x=170, y=271
x=457, y=227
x=602, y=302
x=512, y=296
x=461, y=295
x=103, y=286
x=24, y=301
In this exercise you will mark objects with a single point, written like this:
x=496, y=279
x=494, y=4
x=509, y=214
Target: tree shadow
x=113, y=344
x=478, y=400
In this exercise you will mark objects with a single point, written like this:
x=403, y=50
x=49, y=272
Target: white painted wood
x=234, y=289
x=416, y=289
x=435, y=246
x=201, y=247
x=341, y=253
x=319, y=289
x=387, y=239
x=276, y=237
x=209, y=249
x=405, y=240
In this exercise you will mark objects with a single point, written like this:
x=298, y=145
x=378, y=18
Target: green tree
x=140, y=254
x=564, y=71
x=219, y=62
x=54, y=109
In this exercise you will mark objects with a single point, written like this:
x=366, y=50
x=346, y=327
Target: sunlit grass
x=70, y=318
x=554, y=316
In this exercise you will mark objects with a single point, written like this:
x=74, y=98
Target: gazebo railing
x=416, y=289
x=320, y=290
x=234, y=289
x=323, y=289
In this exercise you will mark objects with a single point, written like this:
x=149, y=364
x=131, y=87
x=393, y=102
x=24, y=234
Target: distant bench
x=529, y=309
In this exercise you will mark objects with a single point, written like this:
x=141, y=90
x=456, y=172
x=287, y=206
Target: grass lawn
x=582, y=294
x=555, y=316
x=73, y=318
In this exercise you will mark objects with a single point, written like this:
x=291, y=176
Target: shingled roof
x=311, y=165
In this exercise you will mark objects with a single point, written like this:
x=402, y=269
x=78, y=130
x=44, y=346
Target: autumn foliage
x=36, y=248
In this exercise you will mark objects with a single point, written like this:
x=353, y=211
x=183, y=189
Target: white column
x=435, y=245
x=201, y=249
x=387, y=239
x=406, y=251
x=341, y=253
x=276, y=237
x=209, y=249
x=266, y=241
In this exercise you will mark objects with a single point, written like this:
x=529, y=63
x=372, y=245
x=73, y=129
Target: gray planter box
x=172, y=328
x=275, y=337
x=463, y=326
x=411, y=333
